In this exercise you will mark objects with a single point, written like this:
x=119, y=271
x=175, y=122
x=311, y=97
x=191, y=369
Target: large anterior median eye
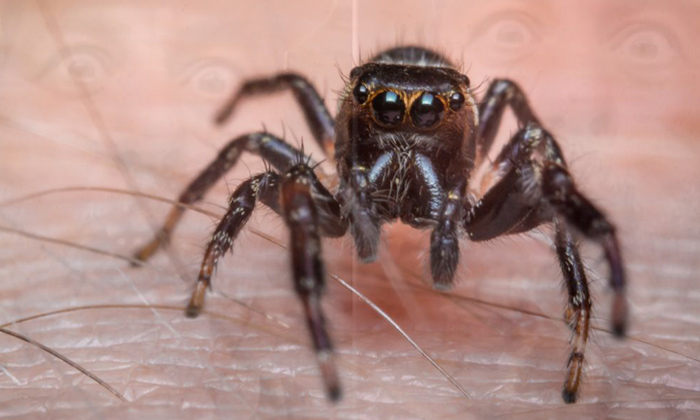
x=427, y=110
x=388, y=108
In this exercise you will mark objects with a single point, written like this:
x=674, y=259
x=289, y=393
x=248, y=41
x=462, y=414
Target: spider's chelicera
x=408, y=136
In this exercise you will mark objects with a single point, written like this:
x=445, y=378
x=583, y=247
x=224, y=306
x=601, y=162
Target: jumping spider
x=408, y=135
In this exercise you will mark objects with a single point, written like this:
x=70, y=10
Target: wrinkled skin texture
x=622, y=100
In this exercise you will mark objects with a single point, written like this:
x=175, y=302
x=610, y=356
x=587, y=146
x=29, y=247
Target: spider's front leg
x=533, y=187
x=302, y=217
x=578, y=311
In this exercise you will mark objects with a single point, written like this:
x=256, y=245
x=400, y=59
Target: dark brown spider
x=408, y=135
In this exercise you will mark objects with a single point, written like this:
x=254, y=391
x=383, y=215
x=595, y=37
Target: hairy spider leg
x=315, y=111
x=302, y=218
x=535, y=188
x=556, y=182
x=361, y=209
x=516, y=203
x=444, y=239
x=578, y=311
x=263, y=187
x=277, y=152
x=501, y=93
x=296, y=196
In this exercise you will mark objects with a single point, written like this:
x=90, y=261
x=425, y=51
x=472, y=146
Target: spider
x=408, y=135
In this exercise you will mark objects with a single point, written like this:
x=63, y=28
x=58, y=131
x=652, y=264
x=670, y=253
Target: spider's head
x=408, y=97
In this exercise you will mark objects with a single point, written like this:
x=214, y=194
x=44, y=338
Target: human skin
x=129, y=106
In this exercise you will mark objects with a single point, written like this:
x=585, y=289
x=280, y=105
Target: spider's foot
x=194, y=308
x=226, y=111
x=329, y=374
x=619, y=316
x=573, y=379
x=145, y=252
x=568, y=396
x=192, y=311
x=366, y=249
x=161, y=240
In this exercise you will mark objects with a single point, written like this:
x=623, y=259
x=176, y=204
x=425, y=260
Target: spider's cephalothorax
x=406, y=139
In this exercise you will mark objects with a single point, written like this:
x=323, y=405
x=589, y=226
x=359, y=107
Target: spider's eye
x=388, y=108
x=427, y=110
x=456, y=101
x=361, y=93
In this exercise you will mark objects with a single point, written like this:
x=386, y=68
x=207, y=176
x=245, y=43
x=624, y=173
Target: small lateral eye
x=427, y=110
x=388, y=108
x=361, y=93
x=456, y=101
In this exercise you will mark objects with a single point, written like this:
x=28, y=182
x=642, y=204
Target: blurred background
x=122, y=95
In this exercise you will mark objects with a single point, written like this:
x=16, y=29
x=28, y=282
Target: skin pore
x=123, y=96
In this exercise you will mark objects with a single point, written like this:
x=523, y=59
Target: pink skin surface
x=122, y=95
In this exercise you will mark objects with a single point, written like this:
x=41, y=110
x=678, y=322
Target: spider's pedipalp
x=317, y=116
